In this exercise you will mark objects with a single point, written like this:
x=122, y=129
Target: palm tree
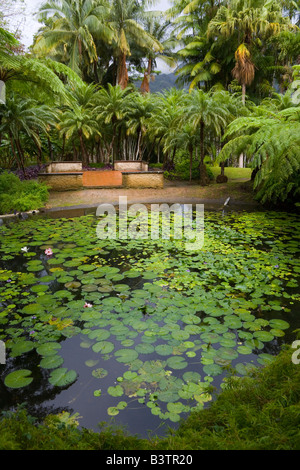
x=112, y=109
x=245, y=21
x=155, y=25
x=79, y=119
x=205, y=112
x=22, y=116
x=139, y=112
x=164, y=121
x=79, y=122
x=70, y=32
x=124, y=20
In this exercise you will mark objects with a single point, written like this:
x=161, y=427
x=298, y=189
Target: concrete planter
x=143, y=179
x=130, y=165
x=62, y=176
x=59, y=167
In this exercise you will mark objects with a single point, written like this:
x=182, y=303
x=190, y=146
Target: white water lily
x=25, y=249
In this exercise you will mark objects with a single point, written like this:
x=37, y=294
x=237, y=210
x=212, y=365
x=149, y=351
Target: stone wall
x=147, y=179
x=61, y=181
x=130, y=165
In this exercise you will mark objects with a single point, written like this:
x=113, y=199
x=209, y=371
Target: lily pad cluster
x=174, y=320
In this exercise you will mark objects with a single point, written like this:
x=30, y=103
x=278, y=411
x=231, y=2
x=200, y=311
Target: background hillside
x=163, y=81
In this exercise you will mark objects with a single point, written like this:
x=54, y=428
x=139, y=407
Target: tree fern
x=272, y=141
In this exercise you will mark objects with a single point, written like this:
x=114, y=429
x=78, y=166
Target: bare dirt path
x=174, y=191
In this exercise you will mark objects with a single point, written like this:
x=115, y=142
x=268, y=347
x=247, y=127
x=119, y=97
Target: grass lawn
x=233, y=173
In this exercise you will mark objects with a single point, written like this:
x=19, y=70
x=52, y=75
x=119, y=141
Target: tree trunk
x=145, y=85
x=191, y=161
x=122, y=73
x=202, y=167
x=138, y=152
x=83, y=150
x=21, y=155
x=241, y=158
x=63, y=147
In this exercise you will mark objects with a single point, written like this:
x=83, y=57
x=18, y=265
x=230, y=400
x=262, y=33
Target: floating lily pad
x=212, y=369
x=104, y=347
x=62, y=377
x=48, y=349
x=144, y=348
x=18, y=378
x=51, y=362
x=126, y=355
x=99, y=373
x=176, y=362
x=21, y=347
x=116, y=391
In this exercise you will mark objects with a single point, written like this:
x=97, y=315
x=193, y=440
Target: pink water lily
x=87, y=305
x=48, y=252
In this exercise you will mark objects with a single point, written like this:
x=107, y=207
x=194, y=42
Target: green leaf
x=18, y=378
x=62, y=377
x=126, y=355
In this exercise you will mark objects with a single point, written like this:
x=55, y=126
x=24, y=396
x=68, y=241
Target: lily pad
x=62, y=377
x=126, y=355
x=104, y=347
x=18, y=378
x=176, y=362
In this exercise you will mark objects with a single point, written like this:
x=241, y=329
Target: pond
x=139, y=333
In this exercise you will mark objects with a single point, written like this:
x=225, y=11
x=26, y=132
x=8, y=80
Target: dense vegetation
x=73, y=96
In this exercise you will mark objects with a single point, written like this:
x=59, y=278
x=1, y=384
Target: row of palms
x=242, y=39
x=97, y=123
x=95, y=37
x=216, y=40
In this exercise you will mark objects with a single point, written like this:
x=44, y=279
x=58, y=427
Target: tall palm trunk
x=191, y=160
x=122, y=73
x=83, y=149
x=145, y=85
x=21, y=155
x=202, y=167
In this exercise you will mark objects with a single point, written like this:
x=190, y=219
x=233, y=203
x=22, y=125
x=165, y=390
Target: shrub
x=17, y=195
x=182, y=170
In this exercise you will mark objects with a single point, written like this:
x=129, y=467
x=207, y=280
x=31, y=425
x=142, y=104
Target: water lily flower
x=86, y=305
x=48, y=252
x=276, y=266
x=25, y=249
x=32, y=332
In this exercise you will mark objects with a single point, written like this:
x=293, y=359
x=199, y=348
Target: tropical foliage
x=73, y=96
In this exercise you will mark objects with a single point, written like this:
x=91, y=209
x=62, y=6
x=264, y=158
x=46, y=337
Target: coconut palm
x=156, y=25
x=246, y=21
x=125, y=20
x=70, y=32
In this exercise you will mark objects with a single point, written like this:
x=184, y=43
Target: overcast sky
x=29, y=25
